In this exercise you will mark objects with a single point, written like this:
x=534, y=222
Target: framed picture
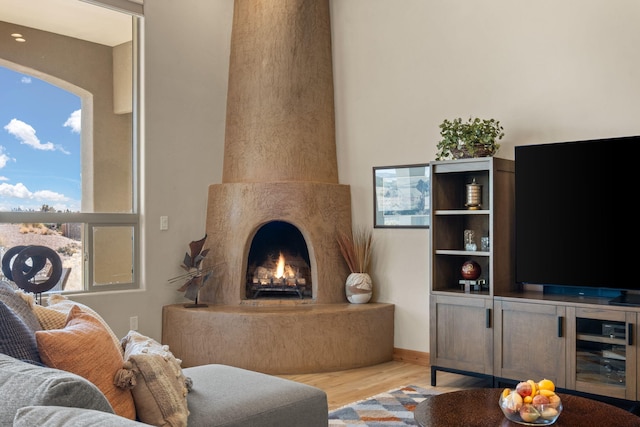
x=401, y=196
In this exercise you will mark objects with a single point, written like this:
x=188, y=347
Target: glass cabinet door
x=605, y=353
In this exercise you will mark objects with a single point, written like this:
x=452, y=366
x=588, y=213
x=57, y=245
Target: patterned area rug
x=392, y=408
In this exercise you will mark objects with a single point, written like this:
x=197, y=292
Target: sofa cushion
x=23, y=384
x=49, y=318
x=234, y=397
x=54, y=315
x=58, y=416
x=160, y=387
x=9, y=295
x=16, y=339
x=85, y=347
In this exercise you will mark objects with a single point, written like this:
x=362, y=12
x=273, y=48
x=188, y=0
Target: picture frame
x=401, y=196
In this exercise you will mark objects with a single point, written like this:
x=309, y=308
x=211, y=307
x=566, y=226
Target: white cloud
x=3, y=178
x=49, y=195
x=20, y=191
x=27, y=135
x=25, y=80
x=74, y=122
x=29, y=200
x=4, y=159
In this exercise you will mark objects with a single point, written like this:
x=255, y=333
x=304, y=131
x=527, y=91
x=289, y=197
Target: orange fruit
x=547, y=393
x=546, y=384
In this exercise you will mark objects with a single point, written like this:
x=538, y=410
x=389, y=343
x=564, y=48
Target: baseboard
x=411, y=356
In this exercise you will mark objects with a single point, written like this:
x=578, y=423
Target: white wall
x=548, y=70
x=186, y=73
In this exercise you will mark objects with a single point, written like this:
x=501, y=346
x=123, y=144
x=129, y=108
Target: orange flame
x=280, y=267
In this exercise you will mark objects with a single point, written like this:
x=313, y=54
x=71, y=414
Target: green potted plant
x=473, y=138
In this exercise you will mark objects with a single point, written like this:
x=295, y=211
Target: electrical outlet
x=133, y=323
x=164, y=222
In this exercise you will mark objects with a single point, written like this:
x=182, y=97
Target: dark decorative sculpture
x=16, y=268
x=196, y=276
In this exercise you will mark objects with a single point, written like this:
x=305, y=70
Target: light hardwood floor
x=344, y=387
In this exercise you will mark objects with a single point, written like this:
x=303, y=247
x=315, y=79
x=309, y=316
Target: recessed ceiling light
x=15, y=35
x=20, y=39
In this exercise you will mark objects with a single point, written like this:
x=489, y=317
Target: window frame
x=92, y=220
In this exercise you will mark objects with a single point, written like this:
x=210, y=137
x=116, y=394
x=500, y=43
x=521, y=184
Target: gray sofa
x=221, y=396
x=61, y=365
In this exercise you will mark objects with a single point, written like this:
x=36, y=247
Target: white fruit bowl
x=529, y=414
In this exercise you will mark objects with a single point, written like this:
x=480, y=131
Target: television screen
x=575, y=218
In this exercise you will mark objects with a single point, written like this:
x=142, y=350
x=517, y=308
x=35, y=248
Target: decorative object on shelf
x=357, y=250
x=196, y=276
x=474, y=195
x=473, y=285
x=485, y=243
x=473, y=138
x=470, y=270
x=470, y=240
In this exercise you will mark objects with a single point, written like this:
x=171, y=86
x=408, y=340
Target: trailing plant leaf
x=474, y=138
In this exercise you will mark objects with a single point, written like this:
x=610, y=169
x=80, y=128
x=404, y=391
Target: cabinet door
x=461, y=333
x=602, y=352
x=530, y=341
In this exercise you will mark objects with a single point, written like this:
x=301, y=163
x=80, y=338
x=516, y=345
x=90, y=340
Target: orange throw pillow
x=84, y=347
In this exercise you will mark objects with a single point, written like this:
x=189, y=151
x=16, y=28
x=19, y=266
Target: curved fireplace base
x=281, y=339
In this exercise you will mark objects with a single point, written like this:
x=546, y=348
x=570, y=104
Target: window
x=68, y=148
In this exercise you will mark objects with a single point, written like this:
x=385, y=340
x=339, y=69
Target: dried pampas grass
x=357, y=249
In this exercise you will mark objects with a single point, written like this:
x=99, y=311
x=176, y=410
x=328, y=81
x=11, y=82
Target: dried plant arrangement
x=357, y=249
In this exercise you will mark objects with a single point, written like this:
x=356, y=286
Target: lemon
x=546, y=384
x=505, y=392
x=528, y=399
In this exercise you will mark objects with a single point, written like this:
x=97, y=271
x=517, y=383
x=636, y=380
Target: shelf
x=462, y=212
x=599, y=339
x=458, y=291
x=453, y=298
x=461, y=252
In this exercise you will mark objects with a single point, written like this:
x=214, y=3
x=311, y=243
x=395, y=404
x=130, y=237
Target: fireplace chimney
x=280, y=160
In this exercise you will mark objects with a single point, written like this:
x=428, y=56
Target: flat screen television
x=577, y=228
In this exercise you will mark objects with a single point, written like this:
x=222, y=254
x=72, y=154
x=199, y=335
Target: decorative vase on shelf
x=358, y=288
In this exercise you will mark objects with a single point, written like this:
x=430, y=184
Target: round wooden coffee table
x=479, y=407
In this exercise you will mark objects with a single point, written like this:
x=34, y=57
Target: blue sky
x=39, y=144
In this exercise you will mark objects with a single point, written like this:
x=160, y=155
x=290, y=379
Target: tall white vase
x=358, y=288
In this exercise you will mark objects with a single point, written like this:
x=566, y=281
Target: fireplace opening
x=278, y=264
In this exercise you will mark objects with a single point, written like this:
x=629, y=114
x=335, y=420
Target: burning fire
x=280, y=267
x=278, y=273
